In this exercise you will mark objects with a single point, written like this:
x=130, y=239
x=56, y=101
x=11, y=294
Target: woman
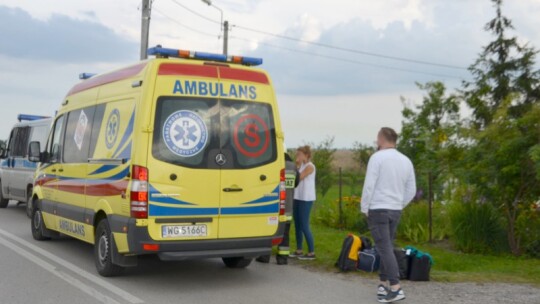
x=304, y=196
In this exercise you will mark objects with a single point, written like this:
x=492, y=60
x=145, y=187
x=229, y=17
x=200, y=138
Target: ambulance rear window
x=191, y=132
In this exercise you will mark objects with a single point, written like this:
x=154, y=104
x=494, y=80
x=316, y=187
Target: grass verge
x=450, y=265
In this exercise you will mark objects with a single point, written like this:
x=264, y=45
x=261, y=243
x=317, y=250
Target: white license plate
x=183, y=231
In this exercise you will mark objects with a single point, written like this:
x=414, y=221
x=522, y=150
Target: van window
x=248, y=130
x=186, y=130
x=77, y=138
x=18, y=145
x=54, y=145
x=96, y=127
x=39, y=133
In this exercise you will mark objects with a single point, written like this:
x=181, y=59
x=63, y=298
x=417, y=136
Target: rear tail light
x=151, y=247
x=277, y=241
x=139, y=192
x=282, y=193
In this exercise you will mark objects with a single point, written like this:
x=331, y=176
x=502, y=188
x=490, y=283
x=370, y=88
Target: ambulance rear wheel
x=237, y=262
x=103, y=251
x=38, y=226
x=3, y=201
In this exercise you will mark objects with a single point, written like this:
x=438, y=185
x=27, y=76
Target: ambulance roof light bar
x=159, y=51
x=84, y=76
x=28, y=117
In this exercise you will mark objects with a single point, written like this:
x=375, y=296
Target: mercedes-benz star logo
x=220, y=159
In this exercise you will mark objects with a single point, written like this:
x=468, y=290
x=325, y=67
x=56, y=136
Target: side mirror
x=3, y=149
x=34, y=152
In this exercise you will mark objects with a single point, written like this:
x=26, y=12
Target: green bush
x=528, y=226
x=327, y=214
x=414, y=224
x=477, y=228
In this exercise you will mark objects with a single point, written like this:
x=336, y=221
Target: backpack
x=366, y=243
x=348, y=257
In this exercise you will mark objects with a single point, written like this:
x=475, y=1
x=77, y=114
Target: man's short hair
x=389, y=134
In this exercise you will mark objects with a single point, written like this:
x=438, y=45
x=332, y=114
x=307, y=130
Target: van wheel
x=38, y=226
x=3, y=201
x=103, y=251
x=29, y=203
x=237, y=262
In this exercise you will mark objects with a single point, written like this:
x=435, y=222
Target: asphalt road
x=62, y=271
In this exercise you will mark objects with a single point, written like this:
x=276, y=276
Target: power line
x=183, y=25
x=324, y=45
x=195, y=12
x=347, y=60
x=328, y=46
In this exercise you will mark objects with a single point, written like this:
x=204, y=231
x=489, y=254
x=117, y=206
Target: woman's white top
x=306, y=188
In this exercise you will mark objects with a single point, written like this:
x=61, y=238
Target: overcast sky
x=45, y=45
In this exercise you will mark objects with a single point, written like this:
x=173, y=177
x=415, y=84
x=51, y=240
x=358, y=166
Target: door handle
x=233, y=189
x=53, y=170
x=60, y=170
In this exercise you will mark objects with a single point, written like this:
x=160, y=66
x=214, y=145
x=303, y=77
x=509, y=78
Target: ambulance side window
x=77, y=138
x=96, y=128
x=54, y=146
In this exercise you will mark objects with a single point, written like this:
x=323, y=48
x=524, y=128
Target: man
x=389, y=187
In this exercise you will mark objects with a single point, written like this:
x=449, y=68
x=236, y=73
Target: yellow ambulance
x=180, y=156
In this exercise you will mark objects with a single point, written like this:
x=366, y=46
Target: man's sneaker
x=382, y=291
x=393, y=296
x=307, y=257
x=296, y=254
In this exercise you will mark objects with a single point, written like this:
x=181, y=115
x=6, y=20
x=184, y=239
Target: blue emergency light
x=84, y=76
x=28, y=117
x=159, y=51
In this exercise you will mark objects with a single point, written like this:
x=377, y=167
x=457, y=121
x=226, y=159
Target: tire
x=103, y=251
x=3, y=201
x=237, y=262
x=29, y=203
x=38, y=226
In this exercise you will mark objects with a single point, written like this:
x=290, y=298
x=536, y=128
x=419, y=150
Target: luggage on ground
x=348, y=257
x=420, y=266
x=368, y=260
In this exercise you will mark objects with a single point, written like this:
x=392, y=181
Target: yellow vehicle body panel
x=122, y=119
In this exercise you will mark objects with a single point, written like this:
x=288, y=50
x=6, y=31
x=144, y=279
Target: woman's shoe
x=296, y=254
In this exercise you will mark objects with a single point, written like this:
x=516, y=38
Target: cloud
x=61, y=38
x=307, y=70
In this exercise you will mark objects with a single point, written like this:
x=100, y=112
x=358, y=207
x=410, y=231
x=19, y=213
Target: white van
x=16, y=172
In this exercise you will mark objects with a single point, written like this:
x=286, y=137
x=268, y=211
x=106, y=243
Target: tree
x=502, y=167
x=322, y=158
x=501, y=161
x=429, y=135
x=504, y=67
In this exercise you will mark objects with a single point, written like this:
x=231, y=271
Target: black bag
x=366, y=243
x=420, y=268
x=348, y=257
x=403, y=261
x=368, y=260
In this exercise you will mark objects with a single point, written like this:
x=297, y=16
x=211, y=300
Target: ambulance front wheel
x=103, y=251
x=39, y=232
x=237, y=262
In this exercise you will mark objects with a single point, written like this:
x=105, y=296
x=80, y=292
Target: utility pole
x=225, y=37
x=145, y=27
